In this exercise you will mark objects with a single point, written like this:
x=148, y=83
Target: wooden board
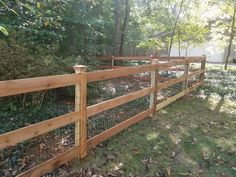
x=25, y=133
x=133, y=58
x=169, y=100
x=190, y=89
x=197, y=59
x=154, y=83
x=171, y=82
x=120, y=72
x=51, y=164
x=163, y=66
x=83, y=116
x=195, y=73
x=112, y=67
x=97, y=108
x=117, y=128
x=14, y=87
x=104, y=58
x=109, y=58
x=203, y=67
x=171, y=69
x=192, y=58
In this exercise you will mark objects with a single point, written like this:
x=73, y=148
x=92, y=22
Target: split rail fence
x=83, y=112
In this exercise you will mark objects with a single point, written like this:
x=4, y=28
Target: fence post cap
x=155, y=61
x=80, y=68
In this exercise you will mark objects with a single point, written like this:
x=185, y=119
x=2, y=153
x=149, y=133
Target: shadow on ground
x=191, y=137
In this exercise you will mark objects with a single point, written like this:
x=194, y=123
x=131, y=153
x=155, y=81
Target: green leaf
x=4, y=31
x=27, y=6
x=38, y=5
x=4, y=4
x=14, y=12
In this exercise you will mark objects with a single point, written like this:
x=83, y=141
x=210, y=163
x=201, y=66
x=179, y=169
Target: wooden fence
x=83, y=112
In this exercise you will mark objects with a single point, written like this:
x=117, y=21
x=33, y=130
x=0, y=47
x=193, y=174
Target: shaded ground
x=192, y=137
x=195, y=136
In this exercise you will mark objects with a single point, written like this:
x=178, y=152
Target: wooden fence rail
x=82, y=112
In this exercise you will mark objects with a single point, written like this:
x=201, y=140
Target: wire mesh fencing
x=109, y=118
x=34, y=108
x=100, y=91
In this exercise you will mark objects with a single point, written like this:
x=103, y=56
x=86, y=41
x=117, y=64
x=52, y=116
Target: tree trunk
x=179, y=43
x=186, y=50
x=117, y=32
x=174, y=27
x=232, y=31
x=125, y=27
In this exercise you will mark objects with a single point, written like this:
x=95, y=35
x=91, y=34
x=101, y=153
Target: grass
x=195, y=136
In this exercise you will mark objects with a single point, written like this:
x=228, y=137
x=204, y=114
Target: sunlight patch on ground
x=152, y=136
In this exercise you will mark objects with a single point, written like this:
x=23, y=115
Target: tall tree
x=174, y=27
x=117, y=32
x=232, y=34
x=125, y=27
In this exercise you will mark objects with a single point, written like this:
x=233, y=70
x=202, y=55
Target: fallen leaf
x=42, y=146
x=135, y=151
x=168, y=171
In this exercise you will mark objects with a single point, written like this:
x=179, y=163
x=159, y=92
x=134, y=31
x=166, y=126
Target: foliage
x=190, y=34
x=151, y=44
x=219, y=82
x=220, y=20
x=159, y=18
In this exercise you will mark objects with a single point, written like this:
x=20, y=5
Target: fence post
x=112, y=62
x=154, y=82
x=203, y=66
x=186, y=72
x=81, y=106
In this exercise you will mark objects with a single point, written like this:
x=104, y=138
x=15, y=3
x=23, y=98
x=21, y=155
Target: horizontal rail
x=117, y=128
x=177, y=96
x=120, y=72
x=31, y=131
x=19, y=86
x=172, y=63
x=112, y=67
x=196, y=59
x=195, y=73
x=108, y=58
x=133, y=58
x=97, y=108
x=104, y=58
x=51, y=164
x=172, y=69
x=192, y=59
x=169, y=100
x=190, y=89
x=171, y=82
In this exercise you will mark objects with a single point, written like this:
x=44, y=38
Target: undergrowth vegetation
x=220, y=82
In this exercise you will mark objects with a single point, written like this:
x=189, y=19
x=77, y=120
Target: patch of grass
x=189, y=137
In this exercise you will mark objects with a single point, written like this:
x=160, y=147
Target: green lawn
x=195, y=136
